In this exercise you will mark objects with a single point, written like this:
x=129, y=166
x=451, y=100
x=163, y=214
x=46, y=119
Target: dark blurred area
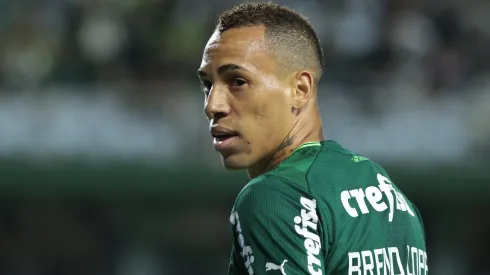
x=105, y=160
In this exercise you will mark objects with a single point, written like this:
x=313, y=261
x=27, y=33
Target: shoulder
x=335, y=156
x=272, y=196
x=352, y=185
x=336, y=165
x=273, y=220
x=336, y=168
x=272, y=204
x=269, y=188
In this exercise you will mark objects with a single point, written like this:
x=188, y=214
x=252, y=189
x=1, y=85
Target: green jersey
x=326, y=210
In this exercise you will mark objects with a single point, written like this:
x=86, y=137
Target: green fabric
x=326, y=210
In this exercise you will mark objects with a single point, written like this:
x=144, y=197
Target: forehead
x=242, y=46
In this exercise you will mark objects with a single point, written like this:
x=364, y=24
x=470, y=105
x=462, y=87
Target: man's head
x=259, y=73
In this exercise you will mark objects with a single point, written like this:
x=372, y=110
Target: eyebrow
x=223, y=69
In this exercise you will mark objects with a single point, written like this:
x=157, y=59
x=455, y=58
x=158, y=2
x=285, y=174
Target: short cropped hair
x=287, y=33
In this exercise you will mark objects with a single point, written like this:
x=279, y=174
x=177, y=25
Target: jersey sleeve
x=276, y=229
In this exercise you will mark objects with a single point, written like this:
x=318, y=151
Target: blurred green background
x=107, y=166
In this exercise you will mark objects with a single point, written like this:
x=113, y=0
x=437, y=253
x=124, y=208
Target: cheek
x=273, y=105
x=265, y=118
x=276, y=110
x=270, y=121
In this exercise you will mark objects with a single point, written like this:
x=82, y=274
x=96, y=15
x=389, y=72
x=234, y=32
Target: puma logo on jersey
x=273, y=266
x=246, y=251
x=306, y=226
x=374, y=196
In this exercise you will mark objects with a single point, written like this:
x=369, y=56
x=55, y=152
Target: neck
x=311, y=130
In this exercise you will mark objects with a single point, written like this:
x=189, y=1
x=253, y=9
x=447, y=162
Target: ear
x=303, y=90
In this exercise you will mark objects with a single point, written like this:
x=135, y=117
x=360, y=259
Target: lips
x=223, y=137
x=221, y=133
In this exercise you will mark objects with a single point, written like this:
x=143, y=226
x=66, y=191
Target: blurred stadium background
x=106, y=165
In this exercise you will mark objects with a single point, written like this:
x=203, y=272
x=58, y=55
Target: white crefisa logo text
x=306, y=226
x=246, y=251
x=374, y=196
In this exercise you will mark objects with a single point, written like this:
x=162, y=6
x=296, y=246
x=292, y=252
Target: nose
x=216, y=104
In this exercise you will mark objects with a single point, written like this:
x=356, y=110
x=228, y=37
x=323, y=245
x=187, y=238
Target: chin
x=235, y=163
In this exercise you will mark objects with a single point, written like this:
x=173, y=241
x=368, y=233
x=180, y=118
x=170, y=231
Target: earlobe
x=295, y=111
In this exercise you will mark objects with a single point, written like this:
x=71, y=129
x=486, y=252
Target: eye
x=206, y=86
x=238, y=82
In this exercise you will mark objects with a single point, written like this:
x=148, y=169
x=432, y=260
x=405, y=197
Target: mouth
x=223, y=139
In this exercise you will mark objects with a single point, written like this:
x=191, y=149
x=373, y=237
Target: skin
x=274, y=112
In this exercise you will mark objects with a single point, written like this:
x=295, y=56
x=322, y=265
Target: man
x=311, y=206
